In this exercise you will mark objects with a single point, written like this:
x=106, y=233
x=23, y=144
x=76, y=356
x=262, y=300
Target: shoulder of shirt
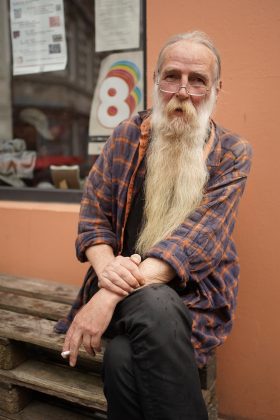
x=131, y=125
x=232, y=142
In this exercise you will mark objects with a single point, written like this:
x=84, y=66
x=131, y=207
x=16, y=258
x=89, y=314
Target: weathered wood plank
x=38, y=331
x=32, y=306
x=38, y=410
x=38, y=288
x=63, y=382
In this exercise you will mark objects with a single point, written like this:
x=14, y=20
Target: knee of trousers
x=157, y=309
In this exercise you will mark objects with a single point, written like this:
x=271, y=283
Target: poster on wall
x=118, y=94
x=38, y=36
x=117, y=24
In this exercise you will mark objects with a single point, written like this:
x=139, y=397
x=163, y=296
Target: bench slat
x=33, y=306
x=33, y=330
x=85, y=389
x=41, y=410
x=38, y=288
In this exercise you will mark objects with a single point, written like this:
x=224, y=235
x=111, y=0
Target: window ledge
x=40, y=195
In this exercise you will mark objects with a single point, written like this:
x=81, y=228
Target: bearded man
x=156, y=225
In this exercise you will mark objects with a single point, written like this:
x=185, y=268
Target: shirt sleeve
x=95, y=220
x=197, y=246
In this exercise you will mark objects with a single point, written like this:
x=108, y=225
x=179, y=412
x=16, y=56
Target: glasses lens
x=171, y=87
x=198, y=90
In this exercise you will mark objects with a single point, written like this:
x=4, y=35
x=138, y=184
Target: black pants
x=149, y=367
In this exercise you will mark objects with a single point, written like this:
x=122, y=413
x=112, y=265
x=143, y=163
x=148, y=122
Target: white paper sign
x=117, y=24
x=38, y=36
x=118, y=93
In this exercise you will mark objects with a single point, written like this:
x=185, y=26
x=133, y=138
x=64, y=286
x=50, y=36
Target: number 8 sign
x=119, y=94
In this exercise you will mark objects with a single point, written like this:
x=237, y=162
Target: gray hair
x=197, y=37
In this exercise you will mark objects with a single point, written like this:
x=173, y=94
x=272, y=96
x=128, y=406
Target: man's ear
x=219, y=87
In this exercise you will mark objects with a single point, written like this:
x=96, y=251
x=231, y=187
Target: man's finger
x=136, y=258
x=116, y=285
x=96, y=343
x=76, y=341
x=131, y=264
x=126, y=274
x=67, y=339
x=127, y=269
x=87, y=344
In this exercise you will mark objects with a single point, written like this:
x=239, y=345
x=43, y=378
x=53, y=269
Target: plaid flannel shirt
x=201, y=250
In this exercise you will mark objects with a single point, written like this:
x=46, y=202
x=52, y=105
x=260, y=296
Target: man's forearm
x=100, y=256
x=156, y=271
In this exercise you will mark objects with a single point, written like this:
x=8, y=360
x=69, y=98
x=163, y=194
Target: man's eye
x=196, y=81
x=171, y=77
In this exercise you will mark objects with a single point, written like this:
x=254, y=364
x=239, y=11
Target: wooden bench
x=33, y=376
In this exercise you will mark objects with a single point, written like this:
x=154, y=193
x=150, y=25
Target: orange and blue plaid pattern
x=201, y=250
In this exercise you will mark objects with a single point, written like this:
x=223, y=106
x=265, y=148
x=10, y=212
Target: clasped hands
x=117, y=279
x=122, y=275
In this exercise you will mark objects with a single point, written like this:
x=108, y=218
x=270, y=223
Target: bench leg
x=12, y=354
x=13, y=398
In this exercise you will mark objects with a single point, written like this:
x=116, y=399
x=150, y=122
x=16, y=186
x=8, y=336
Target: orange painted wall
x=247, y=33
x=37, y=240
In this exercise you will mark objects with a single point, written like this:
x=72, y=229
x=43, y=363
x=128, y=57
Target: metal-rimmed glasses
x=174, y=87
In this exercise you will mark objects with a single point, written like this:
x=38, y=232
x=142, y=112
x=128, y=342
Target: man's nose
x=183, y=92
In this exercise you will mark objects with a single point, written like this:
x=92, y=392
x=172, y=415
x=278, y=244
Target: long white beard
x=176, y=168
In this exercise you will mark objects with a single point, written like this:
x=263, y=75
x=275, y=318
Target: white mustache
x=186, y=107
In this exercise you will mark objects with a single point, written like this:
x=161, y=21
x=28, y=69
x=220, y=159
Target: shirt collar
x=214, y=155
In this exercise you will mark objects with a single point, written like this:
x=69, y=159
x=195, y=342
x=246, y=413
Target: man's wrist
x=112, y=298
x=99, y=256
x=156, y=271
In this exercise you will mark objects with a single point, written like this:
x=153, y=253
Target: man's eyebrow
x=200, y=75
x=175, y=70
x=171, y=70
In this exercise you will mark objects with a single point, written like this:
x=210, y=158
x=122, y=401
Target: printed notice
x=38, y=36
x=117, y=24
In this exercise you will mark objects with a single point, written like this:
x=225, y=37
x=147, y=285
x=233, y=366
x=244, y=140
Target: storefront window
x=51, y=111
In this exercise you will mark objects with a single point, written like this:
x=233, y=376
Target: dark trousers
x=149, y=369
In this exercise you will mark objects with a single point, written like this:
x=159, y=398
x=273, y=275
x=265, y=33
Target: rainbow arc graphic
x=129, y=73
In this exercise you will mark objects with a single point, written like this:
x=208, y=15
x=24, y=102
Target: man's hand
x=90, y=323
x=121, y=275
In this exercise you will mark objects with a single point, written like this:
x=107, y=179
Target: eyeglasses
x=174, y=87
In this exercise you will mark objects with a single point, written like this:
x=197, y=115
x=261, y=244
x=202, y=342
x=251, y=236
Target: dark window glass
x=51, y=110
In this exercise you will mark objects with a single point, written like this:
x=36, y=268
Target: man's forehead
x=189, y=52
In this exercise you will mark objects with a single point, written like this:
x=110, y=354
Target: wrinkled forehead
x=187, y=52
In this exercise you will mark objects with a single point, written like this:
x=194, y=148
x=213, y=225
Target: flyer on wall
x=117, y=25
x=38, y=36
